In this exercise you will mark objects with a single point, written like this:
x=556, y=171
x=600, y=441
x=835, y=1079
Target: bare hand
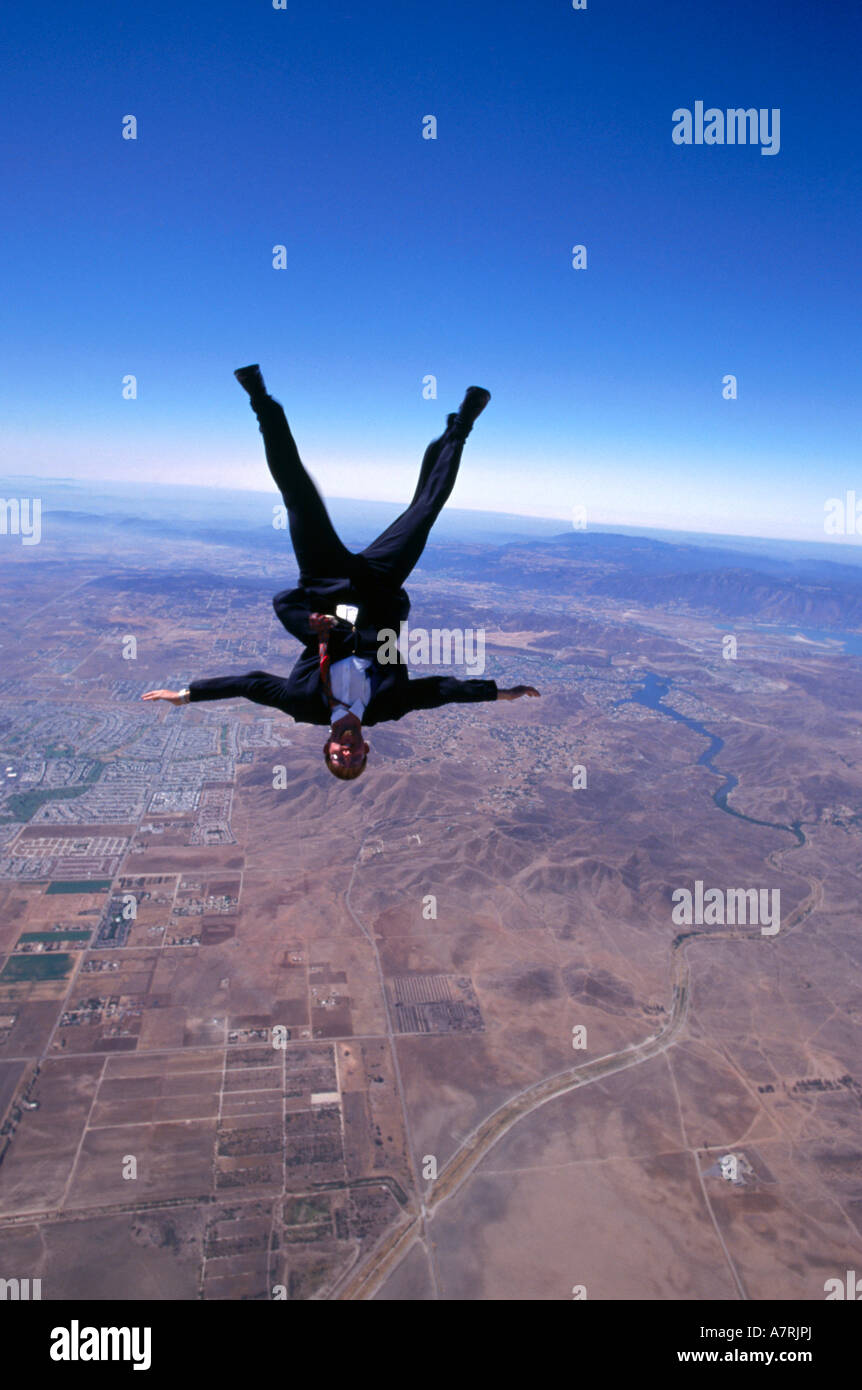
x=516, y=692
x=172, y=696
x=321, y=622
x=347, y=721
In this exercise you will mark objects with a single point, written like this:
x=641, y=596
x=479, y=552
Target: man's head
x=345, y=750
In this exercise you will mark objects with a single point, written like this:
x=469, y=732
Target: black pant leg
x=318, y=549
x=428, y=460
x=397, y=550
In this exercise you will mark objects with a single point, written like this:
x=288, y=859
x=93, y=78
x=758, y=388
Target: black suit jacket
x=301, y=694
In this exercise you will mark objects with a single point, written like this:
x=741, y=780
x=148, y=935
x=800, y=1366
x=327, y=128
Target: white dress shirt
x=351, y=685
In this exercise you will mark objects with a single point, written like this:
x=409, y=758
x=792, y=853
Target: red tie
x=322, y=623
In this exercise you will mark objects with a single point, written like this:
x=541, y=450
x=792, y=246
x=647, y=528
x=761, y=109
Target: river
x=650, y=695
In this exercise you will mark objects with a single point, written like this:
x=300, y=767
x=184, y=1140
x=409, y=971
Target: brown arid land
x=435, y=1034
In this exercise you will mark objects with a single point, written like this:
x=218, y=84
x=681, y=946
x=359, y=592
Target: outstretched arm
x=259, y=686
x=432, y=691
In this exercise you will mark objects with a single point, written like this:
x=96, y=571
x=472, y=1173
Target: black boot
x=251, y=381
x=471, y=408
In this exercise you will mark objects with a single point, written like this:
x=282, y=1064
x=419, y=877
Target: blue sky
x=452, y=257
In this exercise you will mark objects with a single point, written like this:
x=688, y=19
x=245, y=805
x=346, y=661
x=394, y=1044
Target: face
x=349, y=750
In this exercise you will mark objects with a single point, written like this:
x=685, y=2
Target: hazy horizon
x=454, y=521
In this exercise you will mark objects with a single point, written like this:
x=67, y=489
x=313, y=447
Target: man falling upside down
x=344, y=601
